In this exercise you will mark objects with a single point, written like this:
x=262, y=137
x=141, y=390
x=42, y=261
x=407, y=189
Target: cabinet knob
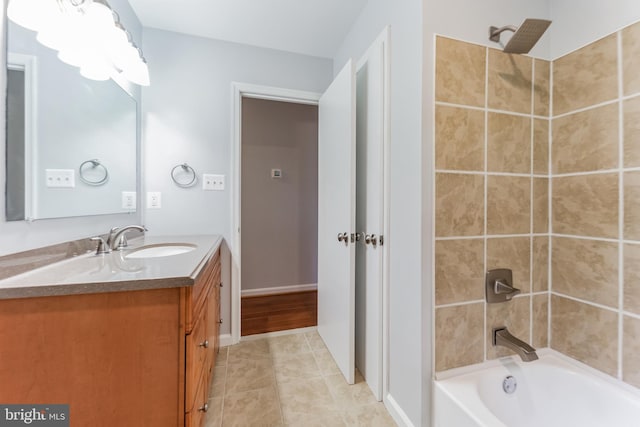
x=220, y=321
x=204, y=344
x=204, y=408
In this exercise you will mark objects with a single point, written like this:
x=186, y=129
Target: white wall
x=19, y=235
x=409, y=383
x=187, y=118
x=577, y=23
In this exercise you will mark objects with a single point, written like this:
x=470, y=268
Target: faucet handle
x=498, y=285
x=103, y=247
x=501, y=287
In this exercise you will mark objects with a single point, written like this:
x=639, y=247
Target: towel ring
x=95, y=163
x=190, y=171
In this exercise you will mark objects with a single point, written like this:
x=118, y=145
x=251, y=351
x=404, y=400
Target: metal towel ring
x=95, y=163
x=188, y=169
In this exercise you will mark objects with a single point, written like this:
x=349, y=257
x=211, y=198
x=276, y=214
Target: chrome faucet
x=117, y=239
x=501, y=336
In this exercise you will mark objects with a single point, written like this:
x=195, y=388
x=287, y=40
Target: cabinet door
x=198, y=347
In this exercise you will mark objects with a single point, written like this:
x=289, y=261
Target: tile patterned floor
x=289, y=380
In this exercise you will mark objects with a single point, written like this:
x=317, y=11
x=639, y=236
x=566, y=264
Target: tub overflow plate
x=509, y=384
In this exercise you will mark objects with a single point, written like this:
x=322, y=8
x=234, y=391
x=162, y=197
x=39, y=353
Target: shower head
x=525, y=37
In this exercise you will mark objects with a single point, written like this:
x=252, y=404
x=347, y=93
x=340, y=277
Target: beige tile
x=459, y=270
x=305, y=398
x=221, y=358
x=216, y=389
x=513, y=253
x=540, y=146
x=459, y=336
x=540, y=264
x=315, y=341
x=631, y=59
x=540, y=327
x=252, y=408
x=632, y=278
x=509, y=82
x=329, y=418
x=631, y=351
x=460, y=72
x=540, y=205
x=288, y=344
x=632, y=205
x=459, y=205
x=593, y=67
x=586, y=141
x=249, y=374
x=586, y=269
x=541, y=85
x=374, y=415
x=585, y=332
x=515, y=316
x=349, y=395
x=631, y=118
x=508, y=143
x=293, y=367
x=214, y=414
x=586, y=205
x=508, y=205
x=256, y=349
x=459, y=138
x=325, y=362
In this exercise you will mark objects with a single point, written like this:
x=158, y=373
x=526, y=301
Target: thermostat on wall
x=276, y=173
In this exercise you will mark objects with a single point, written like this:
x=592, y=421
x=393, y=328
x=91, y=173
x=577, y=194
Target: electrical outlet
x=129, y=200
x=154, y=200
x=212, y=182
x=59, y=178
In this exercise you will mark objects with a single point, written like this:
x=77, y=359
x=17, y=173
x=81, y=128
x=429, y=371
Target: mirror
x=71, y=142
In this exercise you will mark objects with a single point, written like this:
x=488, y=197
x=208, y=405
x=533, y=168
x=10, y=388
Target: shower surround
x=542, y=178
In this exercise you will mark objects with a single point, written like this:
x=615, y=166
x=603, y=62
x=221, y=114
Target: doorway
x=279, y=211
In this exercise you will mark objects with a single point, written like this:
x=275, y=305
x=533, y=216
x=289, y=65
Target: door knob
x=343, y=237
x=371, y=239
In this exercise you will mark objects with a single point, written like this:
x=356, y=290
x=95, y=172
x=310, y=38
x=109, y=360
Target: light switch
x=59, y=178
x=212, y=182
x=128, y=200
x=154, y=200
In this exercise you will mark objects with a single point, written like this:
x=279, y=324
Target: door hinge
x=381, y=240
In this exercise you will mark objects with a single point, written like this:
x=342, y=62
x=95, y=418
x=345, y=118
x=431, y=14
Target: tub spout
x=501, y=336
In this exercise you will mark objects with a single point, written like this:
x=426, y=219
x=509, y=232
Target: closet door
x=336, y=220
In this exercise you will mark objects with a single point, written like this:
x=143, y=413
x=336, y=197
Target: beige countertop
x=89, y=273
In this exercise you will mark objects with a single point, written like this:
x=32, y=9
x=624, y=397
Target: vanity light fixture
x=87, y=34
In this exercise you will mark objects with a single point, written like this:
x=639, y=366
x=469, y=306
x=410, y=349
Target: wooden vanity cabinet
x=129, y=358
x=202, y=340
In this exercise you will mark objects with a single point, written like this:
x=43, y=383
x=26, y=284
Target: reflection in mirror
x=71, y=142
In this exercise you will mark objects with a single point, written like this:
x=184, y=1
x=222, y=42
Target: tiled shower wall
x=491, y=189
x=595, y=169
x=493, y=166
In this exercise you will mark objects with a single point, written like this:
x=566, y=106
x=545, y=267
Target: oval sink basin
x=161, y=250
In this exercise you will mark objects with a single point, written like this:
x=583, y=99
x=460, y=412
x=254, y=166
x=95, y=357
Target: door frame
x=239, y=91
x=384, y=39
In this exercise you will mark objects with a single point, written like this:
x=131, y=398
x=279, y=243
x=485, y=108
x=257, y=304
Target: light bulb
x=32, y=14
x=95, y=67
x=138, y=73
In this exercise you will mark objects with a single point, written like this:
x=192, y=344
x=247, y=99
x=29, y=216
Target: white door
x=370, y=128
x=336, y=220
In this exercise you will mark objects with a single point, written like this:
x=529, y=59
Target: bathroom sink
x=161, y=250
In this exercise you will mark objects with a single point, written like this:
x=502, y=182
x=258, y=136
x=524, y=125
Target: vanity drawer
x=195, y=417
x=198, y=293
x=198, y=351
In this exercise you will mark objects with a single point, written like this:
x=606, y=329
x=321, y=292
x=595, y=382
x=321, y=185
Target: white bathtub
x=552, y=391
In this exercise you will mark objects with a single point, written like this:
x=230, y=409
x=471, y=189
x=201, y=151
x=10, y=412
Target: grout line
x=492, y=236
x=620, y=206
x=597, y=239
x=487, y=109
x=461, y=172
x=550, y=202
x=583, y=301
x=590, y=107
x=531, y=197
x=486, y=166
x=596, y=172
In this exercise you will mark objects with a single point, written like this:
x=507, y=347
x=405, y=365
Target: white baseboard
x=396, y=412
x=279, y=290
x=226, y=340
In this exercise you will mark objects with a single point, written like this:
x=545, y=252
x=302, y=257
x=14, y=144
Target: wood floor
x=280, y=312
